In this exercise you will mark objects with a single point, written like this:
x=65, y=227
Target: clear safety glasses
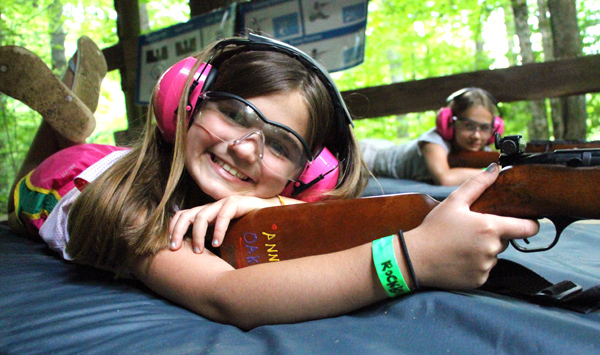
x=234, y=120
x=472, y=126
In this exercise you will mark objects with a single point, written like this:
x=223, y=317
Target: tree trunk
x=558, y=128
x=128, y=30
x=57, y=36
x=510, y=33
x=144, y=18
x=395, y=63
x=538, y=124
x=567, y=44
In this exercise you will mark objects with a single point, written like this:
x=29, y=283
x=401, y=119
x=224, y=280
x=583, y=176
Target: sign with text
x=161, y=49
x=332, y=32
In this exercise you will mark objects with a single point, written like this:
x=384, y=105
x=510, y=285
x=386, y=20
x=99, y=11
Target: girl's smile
x=230, y=169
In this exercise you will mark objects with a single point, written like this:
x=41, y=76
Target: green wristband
x=387, y=268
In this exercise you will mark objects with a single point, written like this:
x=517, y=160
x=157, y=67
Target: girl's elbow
x=231, y=315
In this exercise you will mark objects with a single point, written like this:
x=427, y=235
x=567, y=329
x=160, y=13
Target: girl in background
x=468, y=123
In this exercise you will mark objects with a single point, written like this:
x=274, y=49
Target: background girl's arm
x=436, y=158
x=453, y=248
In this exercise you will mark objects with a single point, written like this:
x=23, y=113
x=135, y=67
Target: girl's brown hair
x=125, y=212
x=473, y=97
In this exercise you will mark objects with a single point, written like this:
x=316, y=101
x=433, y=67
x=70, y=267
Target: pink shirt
x=54, y=230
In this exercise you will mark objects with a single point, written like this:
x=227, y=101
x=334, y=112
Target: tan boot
x=25, y=77
x=86, y=70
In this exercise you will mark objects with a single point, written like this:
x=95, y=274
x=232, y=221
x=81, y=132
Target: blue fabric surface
x=51, y=306
x=390, y=186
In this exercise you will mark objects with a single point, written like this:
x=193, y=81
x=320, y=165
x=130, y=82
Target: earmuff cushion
x=498, y=127
x=444, y=123
x=168, y=93
x=325, y=164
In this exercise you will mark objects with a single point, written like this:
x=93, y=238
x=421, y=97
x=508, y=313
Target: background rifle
x=481, y=159
x=543, y=146
x=563, y=189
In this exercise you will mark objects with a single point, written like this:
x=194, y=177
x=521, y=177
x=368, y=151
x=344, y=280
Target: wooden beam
x=114, y=57
x=199, y=7
x=520, y=83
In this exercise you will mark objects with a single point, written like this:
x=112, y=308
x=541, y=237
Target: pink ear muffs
x=444, y=124
x=319, y=177
x=168, y=93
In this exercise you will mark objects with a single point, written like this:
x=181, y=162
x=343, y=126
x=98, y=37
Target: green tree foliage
x=28, y=24
x=411, y=40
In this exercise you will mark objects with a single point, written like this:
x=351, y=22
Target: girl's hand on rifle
x=219, y=213
x=455, y=248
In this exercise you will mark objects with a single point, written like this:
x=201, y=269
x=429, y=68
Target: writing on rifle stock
x=252, y=244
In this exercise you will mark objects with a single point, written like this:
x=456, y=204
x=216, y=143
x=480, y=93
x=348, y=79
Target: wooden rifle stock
x=560, y=193
x=468, y=159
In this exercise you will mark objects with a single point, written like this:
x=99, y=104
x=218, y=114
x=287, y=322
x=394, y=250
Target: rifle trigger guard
x=560, y=224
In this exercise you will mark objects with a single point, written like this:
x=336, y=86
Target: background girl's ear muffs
x=444, y=124
x=168, y=93
x=498, y=127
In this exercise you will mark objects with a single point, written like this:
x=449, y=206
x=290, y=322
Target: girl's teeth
x=230, y=169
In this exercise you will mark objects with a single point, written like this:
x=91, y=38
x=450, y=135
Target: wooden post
x=128, y=30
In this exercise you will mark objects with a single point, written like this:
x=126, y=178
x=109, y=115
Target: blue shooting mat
x=391, y=186
x=48, y=305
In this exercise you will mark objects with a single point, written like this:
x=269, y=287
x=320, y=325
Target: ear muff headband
x=172, y=82
x=259, y=43
x=460, y=92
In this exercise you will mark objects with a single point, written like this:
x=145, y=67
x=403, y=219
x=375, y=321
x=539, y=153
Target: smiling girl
x=248, y=122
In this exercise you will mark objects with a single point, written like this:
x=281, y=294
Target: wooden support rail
x=520, y=83
x=535, y=81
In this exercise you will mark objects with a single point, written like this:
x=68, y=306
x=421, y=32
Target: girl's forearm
x=280, y=292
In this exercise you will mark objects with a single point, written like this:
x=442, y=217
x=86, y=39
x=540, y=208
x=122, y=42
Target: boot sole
x=90, y=69
x=25, y=77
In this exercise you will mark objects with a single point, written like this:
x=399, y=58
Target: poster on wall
x=157, y=51
x=332, y=32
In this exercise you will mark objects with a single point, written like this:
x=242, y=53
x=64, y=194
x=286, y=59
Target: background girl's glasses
x=472, y=126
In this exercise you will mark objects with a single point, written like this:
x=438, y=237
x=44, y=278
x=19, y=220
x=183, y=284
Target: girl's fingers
x=223, y=219
x=179, y=225
x=199, y=232
x=516, y=228
x=177, y=229
x=470, y=191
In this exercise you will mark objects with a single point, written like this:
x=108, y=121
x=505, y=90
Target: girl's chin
x=473, y=147
x=220, y=192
